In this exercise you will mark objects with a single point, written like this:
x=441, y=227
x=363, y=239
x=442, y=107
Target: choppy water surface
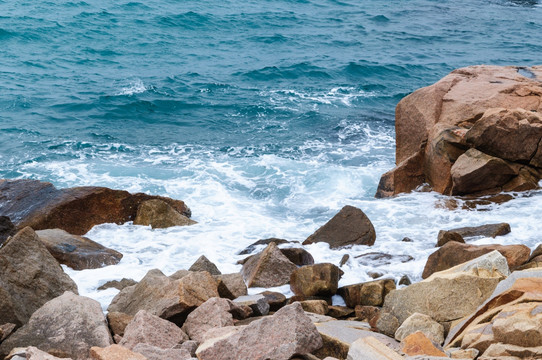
x=266, y=117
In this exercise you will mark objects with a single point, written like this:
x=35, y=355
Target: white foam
x=134, y=87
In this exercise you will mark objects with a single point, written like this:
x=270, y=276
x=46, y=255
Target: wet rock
x=119, y=285
x=118, y=321
x=150, y=329
x=420, y=322
x=258, y=304
x=29, y=277
x=114, y=352
x=454, y=253
x=315, y=306
x=370, y=293
x=204, y=264
x=77, y=252
x=315, y=280
x=231, y=286
x=381, y=259
x=76, y=210
x=268, y=269
x=252, y=247
x=418, y=344
x=371, y=348
x=405, y=177
x=159, y=214
x=275, y=300
x=447, y=236
x=344, y=260
x=7, y=229
x=349, y=227
x=298, y=256
x=405, y=280
x=155, y=353
x=289, y=331
x=67, y=326
x=488, y=230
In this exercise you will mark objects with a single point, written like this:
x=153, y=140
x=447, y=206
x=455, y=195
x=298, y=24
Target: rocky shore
x=476, y=132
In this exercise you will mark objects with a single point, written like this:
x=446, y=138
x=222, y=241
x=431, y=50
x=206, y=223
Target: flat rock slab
x=488, y=230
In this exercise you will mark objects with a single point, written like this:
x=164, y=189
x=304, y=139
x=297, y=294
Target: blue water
x=265, y=116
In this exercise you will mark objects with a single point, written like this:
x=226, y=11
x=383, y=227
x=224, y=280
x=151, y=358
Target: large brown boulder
x=315, y=280
x=289, y=331
x=370, y=293
x=67, y=326
x=29, y=277
x=454, y=253
x=76, y=210
x=160, y=214
x=494, y=110
x=267, y=269
x=77, y=252
x=349, y=227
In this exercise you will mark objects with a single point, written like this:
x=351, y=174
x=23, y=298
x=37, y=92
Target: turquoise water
x=264, y=116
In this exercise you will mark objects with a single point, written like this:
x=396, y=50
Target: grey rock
x=204, y=264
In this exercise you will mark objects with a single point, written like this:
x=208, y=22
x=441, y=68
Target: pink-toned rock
x=32, y=353
x=150, y=329
x=289, y=331
x=156, y=353
x=114, y=352
x=267, y=269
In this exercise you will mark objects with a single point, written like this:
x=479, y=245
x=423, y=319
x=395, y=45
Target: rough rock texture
x=258, y=303
x=500, y=351
x=67, y=326
x=268, y=269
x=164, y=297
x=275, y=300
x=488, y=230
x=114, y=352
x=370, y=293
x=420, y=322
x=41, y=206
x=6, y=330
x=315, y=306
x=31, y=353
x=156, y=353
x=289, y=331
x=77, y=252
x=231, y=286
x=160, y=214
x=213, y=313
x=204, y=264
x=315, y=280
x=7, y=229
x=418, y=344
x=29, y=277
x=492, y=109
x=349, y=227
x=454, y=253
x=119, y=285
x=446, y=295
x=118, y=321
x=447, y=236
x=298, y=256
x=150, y=329
x=340, y=312
x=371, y=348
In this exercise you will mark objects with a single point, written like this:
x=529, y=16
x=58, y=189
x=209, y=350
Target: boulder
x=418, y=344
x=29, y=277
x=350, y=226
x=371, y=348
x=511, y=352
x=258, y=303
x=367, y=313
x=315, y=280
x=315, y=306
x=231, y=286
x=204, y=264
x=420, y=322
x=447, y=236
x=118, y=321
x=31, y=353
x=150, y=329
x=77, y=252
x=298, y=256
x=250, y=249
x=519, y=324
x=488, y=230
x=289, y=331
x=67, y=326
x=454, y=253
x=6, y=330
x=370, y=293
x=164, y=297
x=76, y=210
x=119, y=285
x=339, y=312
x=156, y=353
x=214, y=313
x=160, y=214
x=7, y=229
x=446, y=295
x=491, y=109
x=114, y=352
x=275, y=300
x=382, y=259
x=268, y=269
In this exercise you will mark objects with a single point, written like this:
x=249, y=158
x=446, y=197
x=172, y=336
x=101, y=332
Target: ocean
x=265, y=117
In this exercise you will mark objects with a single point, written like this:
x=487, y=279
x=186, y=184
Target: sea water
x=265, y=117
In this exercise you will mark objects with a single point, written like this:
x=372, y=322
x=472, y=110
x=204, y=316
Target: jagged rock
x=249, y=249
x=76, y=210
x=214, y=313
x=371, y=348
x=190, y=346
x=488, y=230
x=275, y=300
x=367, y=313
x=435, y=125
x=370, y=293
x=204, y=264
x=269, y=268
x=467, y=354
x=29, y=277
x=511, y=352
x=289, y=331
x=315, y=306
x=231, y=286
x=418, y=344
x=7, y=229
x=114, y=352
x=446, y=295
x=404, y=280
x=298, y=256
x=350, y=226
x=118, y=321
x=31, y=353
x=447, y=236
x=344, y=260
x=150, y=329
x=156, y=353
x=77, y=252
x=258, y=303
x=6, y=330
x=164, y=297
x=119, y=285
x=420, y=322
x=339, y=312
x=67, y=326
x=315, y=280
x=160, y=214
x=454, y=253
